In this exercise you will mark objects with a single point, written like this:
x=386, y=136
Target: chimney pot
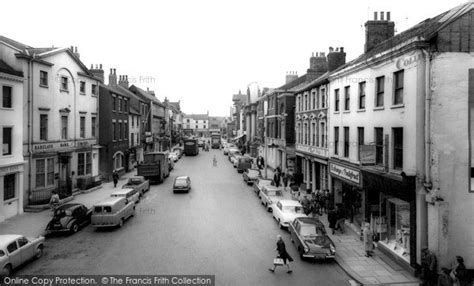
x=342, y=49
x=96, y=66
x=92, y=66
x=115, y=71
x=75, y=49
x=375, y=16
x=382, y=16
x=331, y=49
x=100, y=66
x=322, y=54
x=388, y=15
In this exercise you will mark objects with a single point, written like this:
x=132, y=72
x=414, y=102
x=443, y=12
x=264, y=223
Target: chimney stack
x=290, y=76
x=336, y=58
x=123, y=82
x=377, y=31
x=98, y=72
x=74, y=51
x=318, y=65
x=112, y=77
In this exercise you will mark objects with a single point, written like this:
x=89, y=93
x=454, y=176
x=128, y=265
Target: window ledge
x=379, y=108
x=346, y=111
x=6, y=156
x=82, y=93
x=337, y=112
x=7, y=108
x=397, y=106
x=44, y=86
x=64, y=90
x=361, y=110
x=9, y=201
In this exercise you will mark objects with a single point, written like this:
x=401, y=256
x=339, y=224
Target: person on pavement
x=332, y=219
x=283, y=254
x=115, y=178
x=54, y=201
x=428, y=267
x=444, y=279
x=341, y=217
x=459, y=273
x=368, y=240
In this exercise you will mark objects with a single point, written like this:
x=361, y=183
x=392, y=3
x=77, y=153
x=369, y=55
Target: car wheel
x=120, y=223
x=301, y=253
x=39, y=252
x=74, y=228
x=6, y=271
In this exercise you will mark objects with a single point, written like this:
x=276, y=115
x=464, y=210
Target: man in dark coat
x=276, y=179
x=115, y=178
x=332, y=218
x=460, y=272
x=283, y=254
x=428, y=267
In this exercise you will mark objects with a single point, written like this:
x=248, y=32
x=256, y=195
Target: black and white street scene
x=237, y=142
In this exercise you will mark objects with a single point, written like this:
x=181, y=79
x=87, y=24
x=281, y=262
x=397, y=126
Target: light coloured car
x=251, y=175
x=131, y=194
x=229, y=146
x=260, y=183
x=270, y=195
x=16, y=250
x=235, y=160
x=285, y=211
x=310, y=238
x=173, y=157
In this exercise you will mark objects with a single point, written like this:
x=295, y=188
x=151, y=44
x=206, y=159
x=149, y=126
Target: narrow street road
x=219, y=228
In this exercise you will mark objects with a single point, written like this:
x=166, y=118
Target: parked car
x=182, y=184
x=201, y=143
x=270, y=195
x=16, y=250
x=112, y=212
x=138, y=182
x=234, y=159
x=173, y=157
x=251, y=175
x=179, y=151
x=229, y=146
x=310, y=238
x=69, y=218
x=131, y=194
x=244, y=163
x=170, y=164
x=259, y=183
x=232, y=152
x=285, y=211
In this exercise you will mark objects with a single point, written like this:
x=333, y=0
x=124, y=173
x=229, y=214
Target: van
x=131, y=194
x=244, y=163
x=112, y=212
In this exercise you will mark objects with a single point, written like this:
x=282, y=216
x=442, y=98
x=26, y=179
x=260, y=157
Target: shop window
x=397, y=148
x=44, y=172
x=9, y=187
x=379, y=146
x=7, y=141
x=84, y=163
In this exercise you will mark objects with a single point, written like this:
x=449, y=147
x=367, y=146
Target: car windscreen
x=293, y=209
x=135, y=181
x=311, y=230
x=62, y=213
x=265, y=182
x=181, y=183
x=105, y=209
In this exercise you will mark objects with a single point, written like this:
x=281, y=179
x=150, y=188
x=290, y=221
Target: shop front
x=11, y=196
x=346, y=187
x=391, y=208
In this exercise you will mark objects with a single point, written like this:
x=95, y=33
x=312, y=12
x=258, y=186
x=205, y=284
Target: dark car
x=259, y=183
x=251, y=175
x=182, y=184
x=69, y=218
x=310, y=238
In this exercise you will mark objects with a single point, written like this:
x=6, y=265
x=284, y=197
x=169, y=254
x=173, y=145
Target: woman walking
x=283, y=255
x=368, y=240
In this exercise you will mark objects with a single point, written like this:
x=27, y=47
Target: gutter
x=427, y=182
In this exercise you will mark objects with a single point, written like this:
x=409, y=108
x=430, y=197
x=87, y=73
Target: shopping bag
x=278, y=261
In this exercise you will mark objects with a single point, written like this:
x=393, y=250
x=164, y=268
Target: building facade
x=12, y=163
x=198, y=123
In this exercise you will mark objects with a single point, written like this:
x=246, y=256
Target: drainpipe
x=30, y=123
x=427, y=119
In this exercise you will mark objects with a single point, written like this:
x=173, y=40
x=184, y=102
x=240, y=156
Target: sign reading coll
x=345, y=173
x=367, y=154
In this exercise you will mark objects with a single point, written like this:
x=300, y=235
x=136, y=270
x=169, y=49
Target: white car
x=285, y=211
x=229, y=146
x=16, y=249
x=235, y=160
x=270, y=195
x=131, y=194
x=173, y=157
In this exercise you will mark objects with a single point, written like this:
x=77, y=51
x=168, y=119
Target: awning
x=238, y=137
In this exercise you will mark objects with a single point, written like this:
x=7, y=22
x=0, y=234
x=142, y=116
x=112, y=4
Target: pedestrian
x=459, y=273
x=306, y=205
x=276, y=179
x=285, y=180
x=283, y=254
x=368, y=240
x=327, y=200
x=341, y=217
x=444, y=279
x=295, y=191
x=214, y=161
x=332, y=219
x=115, y=178
x=54, y=201
x=428, y=267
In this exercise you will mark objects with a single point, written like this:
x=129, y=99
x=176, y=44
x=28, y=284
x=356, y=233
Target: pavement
x=33, y=224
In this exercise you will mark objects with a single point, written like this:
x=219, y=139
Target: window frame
x=397, y=89
x=43, y=136
x=337, y=100
x=7, y=87
x=362, y=95
x=346, y=142
x=379, y=91
x=82, y=87
x=347, y=98
x=82, y=126
x=64, y=135
x=379, y=146
x=9, y=194
x=48, y=172
x=397, y=148
x=64, y=83
x=336, y=140
x=41, y=78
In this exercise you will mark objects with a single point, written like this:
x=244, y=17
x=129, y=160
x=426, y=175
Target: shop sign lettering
x=345, y=173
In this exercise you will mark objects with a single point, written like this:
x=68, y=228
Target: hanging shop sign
x=345, y=173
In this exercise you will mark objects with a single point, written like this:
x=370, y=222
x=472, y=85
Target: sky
x=201, y=52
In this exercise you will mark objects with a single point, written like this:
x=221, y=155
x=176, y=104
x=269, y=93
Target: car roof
x=5, y=239
x=271, y=188
x=109, y=201
x=137, y=177
x=122, y=191
x=290, y=203
x=182, y=177
x=309, y=220
x=69, y=206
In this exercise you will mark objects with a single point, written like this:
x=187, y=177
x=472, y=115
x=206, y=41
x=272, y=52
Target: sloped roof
x=312, y=83
x=134, y=110
x=117, y=89
x=5, y=68
x=14, y=43
x=144, y=94
x=287, y=86
x=425, y=30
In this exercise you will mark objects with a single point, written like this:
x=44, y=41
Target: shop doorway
x=65, y=180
